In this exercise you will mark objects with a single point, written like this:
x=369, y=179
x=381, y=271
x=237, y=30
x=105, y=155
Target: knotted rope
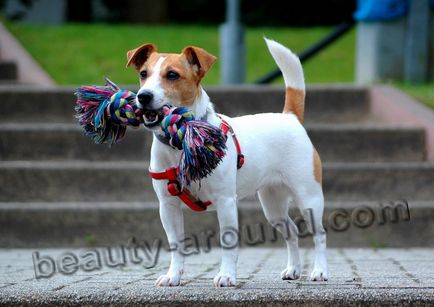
x=105, y=112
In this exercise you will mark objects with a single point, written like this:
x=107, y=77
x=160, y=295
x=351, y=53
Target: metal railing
x=305, y=55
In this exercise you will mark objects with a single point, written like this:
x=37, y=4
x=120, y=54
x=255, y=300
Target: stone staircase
x=57, y=188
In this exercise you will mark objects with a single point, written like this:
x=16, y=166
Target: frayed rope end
x=104, y=112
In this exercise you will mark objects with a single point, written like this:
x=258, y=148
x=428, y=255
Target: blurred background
x=93, y=36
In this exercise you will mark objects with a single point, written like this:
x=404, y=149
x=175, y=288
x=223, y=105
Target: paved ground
x=357, y=276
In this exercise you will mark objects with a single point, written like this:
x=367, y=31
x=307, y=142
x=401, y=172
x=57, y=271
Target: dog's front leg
x=229, y=240
x=173, y=223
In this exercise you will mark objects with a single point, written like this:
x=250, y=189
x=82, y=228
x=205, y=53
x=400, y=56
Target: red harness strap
x=225, y=127
x=174, y=187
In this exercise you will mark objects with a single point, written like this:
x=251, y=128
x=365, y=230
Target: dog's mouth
x=152, y=118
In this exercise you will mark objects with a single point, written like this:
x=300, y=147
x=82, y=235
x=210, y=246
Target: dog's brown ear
x=140, y=55
x=200, y=59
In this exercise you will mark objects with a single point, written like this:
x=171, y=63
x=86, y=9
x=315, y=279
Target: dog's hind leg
x=275, y=202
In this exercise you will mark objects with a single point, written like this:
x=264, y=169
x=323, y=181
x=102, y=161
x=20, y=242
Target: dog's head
x=168, y=79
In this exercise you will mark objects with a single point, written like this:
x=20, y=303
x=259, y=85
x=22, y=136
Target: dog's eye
x=143, y=74
x=172, y=75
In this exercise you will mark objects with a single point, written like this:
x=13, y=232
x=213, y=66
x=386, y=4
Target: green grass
x=423, y=92
x=83, y=53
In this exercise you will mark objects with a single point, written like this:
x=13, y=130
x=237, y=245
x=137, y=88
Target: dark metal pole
x=232, y=46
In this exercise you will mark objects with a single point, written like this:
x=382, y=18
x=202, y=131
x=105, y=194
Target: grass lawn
x=85, y=53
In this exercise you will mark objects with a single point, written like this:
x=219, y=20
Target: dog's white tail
x=292, y=72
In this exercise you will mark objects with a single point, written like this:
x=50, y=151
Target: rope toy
x=105, y=112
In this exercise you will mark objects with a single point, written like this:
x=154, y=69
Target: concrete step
x=39, y=141
x=329, y=104
x=324, y=104
x=349, y=224
x=8, y=71
x=368, y=143
x=128, y=181
x=337, y=142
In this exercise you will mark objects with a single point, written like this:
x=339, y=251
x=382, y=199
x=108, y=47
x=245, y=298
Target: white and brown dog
x=281, y=164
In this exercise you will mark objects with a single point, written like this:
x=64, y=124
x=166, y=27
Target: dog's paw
x=291, y=273
x=168, y=280
x=224, y=280
x=318, y=274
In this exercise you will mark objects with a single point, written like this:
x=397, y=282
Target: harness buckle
x=240, y=161
x=174, y=188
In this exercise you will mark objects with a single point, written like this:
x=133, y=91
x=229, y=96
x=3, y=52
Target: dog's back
x=290, y=66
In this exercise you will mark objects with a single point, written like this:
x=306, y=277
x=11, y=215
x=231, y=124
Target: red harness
x=174, y=187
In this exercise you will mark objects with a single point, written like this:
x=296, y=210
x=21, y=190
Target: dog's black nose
x=145, y=97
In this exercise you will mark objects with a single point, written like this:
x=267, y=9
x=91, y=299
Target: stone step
x=33, y=181
x=324, y=103
x=8, y=71
x=349, y=224
x=39, y=141
x=337, y=142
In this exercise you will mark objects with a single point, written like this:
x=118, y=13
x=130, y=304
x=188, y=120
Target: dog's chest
x=164, y=157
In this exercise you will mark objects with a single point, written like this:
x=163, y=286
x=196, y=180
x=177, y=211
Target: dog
x=281, y=164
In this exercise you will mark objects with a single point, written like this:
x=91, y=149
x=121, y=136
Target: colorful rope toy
x=105, y=112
